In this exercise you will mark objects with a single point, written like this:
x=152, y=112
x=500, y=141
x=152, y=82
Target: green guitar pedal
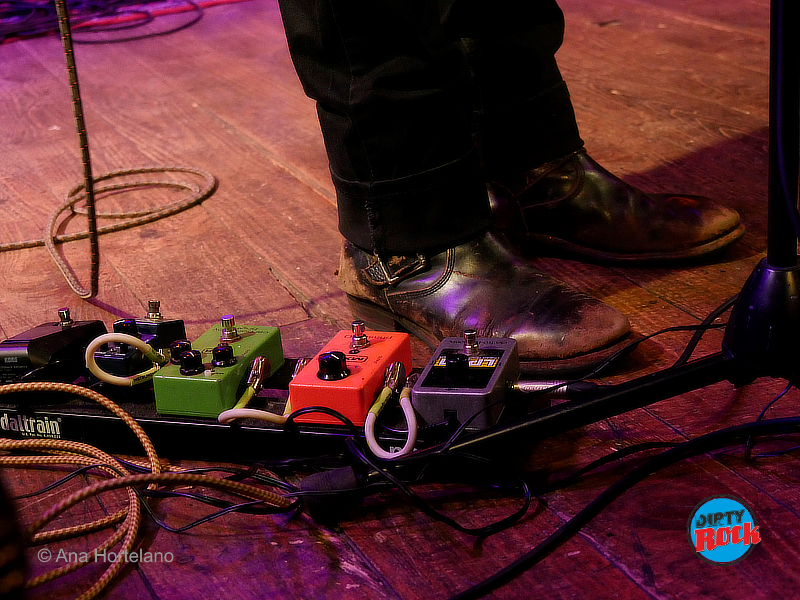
x=210, y=378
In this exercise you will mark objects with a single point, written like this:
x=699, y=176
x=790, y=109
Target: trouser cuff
x=421, y=213
x=519, y=137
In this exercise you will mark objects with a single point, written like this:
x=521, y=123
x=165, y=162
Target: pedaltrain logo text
x=31, y=427
x=723, y=530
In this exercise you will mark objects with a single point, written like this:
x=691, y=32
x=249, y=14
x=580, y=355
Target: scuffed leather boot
x=482, y=285
x=576, y=206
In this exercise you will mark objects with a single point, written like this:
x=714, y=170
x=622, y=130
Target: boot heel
x=374, y=317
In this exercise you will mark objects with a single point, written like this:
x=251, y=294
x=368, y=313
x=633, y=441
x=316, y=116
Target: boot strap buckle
x=395, y=269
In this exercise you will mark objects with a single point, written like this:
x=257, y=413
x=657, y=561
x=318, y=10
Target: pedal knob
x=177, y=348
x=222, y=356
x=332, y=366
x=192, y=363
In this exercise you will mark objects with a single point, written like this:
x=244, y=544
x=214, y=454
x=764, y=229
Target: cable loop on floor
x=199, y=191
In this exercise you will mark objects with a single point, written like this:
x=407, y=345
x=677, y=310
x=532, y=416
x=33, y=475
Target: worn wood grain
x=258, y=201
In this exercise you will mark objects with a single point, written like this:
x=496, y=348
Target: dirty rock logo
x=723, y=530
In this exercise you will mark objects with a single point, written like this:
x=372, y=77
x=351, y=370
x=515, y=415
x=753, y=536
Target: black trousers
x=422, y=101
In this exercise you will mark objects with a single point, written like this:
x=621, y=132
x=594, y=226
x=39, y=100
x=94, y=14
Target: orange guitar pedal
x=347, y=374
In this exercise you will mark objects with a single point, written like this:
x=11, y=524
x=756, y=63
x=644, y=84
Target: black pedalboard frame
x=36, y=415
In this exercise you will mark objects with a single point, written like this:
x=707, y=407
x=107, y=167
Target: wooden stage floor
x=670, y=94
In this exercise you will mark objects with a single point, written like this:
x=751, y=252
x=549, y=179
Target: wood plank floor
x=669, y=94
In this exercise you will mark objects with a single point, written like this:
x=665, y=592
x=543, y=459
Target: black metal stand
x=763, y=328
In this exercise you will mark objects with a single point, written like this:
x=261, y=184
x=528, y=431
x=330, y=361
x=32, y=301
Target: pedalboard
x=466, y=382
x=347, y=374
x=209, y=378
x=48, y=352
x=466, y=377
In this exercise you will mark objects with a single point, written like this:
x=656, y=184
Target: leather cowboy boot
x=482, y=285
x=575, y=205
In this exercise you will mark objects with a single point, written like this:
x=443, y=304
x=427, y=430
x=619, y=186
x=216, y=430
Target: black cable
x=237, y=474
x=65, y=479
x=700, y=445
x=706, y=323
x=776, y=453
x=31, y=375
x=207, y=518
x=292, y=425
x=749, y=443
x=248, y=507
x=572, y=478
x=426, y=508
x=634, y=344
x=225, y=506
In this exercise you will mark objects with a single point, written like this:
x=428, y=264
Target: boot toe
x=579, y=325
x=578, y=207
x=483, y=285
